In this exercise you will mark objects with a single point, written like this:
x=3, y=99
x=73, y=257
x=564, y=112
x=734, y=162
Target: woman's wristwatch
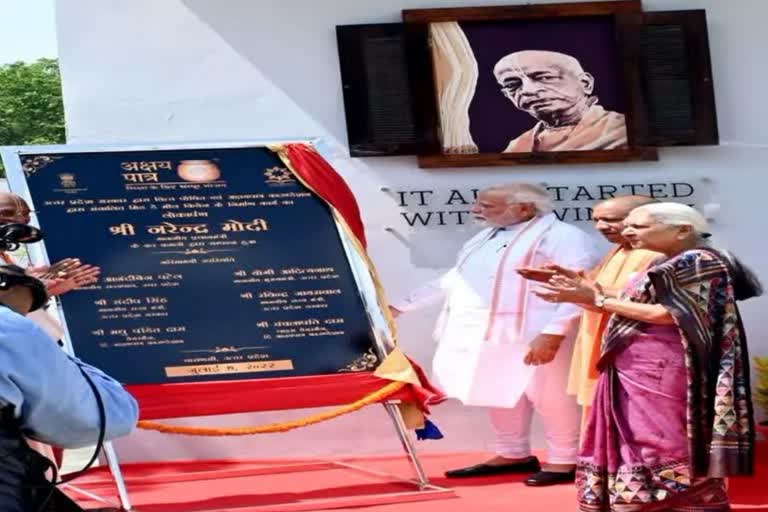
x=599, y=297
x=600, y=300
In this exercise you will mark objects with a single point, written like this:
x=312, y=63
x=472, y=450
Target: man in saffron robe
x=501, y=347
x=554, y=89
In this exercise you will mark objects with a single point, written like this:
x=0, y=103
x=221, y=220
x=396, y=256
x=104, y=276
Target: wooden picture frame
x=626, y=18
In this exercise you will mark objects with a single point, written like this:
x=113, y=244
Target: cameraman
x=45, y=395
x=59, y=278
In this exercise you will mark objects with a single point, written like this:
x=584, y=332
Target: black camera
x=13, y=235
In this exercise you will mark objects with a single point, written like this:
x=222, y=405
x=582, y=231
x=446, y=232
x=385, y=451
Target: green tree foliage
x=31, y=108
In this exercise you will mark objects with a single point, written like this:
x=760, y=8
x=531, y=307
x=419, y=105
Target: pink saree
x=672, y=414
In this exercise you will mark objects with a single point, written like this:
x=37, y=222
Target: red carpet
x=222, y=486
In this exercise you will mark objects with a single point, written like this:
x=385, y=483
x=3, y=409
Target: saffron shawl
x=698, y=288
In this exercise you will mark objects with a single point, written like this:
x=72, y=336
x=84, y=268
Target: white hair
x=745, y=283
x=526, y=193
x=676, y=214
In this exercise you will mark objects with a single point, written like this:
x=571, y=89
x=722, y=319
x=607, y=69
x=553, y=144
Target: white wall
x=202, y=70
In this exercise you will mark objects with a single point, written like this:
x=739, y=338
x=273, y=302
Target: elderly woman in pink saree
x=672, y=416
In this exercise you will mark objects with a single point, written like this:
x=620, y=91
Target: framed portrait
x=531, y=83
x=555, y=83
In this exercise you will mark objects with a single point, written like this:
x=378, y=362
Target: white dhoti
x=476, y=371
x=490, y=318
x=546, y=396
x=491, y=374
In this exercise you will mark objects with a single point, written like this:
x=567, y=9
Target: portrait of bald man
x=554, y=89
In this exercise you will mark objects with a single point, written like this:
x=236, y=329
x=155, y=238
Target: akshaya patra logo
x=279, y=176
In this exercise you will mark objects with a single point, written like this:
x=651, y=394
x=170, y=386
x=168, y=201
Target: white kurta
x=482, y=366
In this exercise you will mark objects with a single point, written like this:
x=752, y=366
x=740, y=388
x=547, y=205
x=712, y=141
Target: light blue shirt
x=51, y=397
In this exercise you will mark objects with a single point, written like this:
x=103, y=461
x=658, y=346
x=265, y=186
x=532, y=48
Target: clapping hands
x=559, y=284
x=65, y=275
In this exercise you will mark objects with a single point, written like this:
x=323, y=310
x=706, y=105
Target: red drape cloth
x=162, y=401
x=326, y=182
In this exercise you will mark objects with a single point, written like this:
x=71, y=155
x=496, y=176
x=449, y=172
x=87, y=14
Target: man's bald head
x=13, y=209
x=609, y=215
x=8, y=197
x=626, y=203
x=552, y=87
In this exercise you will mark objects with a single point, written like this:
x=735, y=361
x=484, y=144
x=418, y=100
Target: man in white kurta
x=500, y=346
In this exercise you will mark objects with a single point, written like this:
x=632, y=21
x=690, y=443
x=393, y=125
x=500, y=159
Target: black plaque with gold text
x=216, y=265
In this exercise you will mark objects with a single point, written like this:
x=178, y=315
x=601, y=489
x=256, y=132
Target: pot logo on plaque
x=198, y=171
